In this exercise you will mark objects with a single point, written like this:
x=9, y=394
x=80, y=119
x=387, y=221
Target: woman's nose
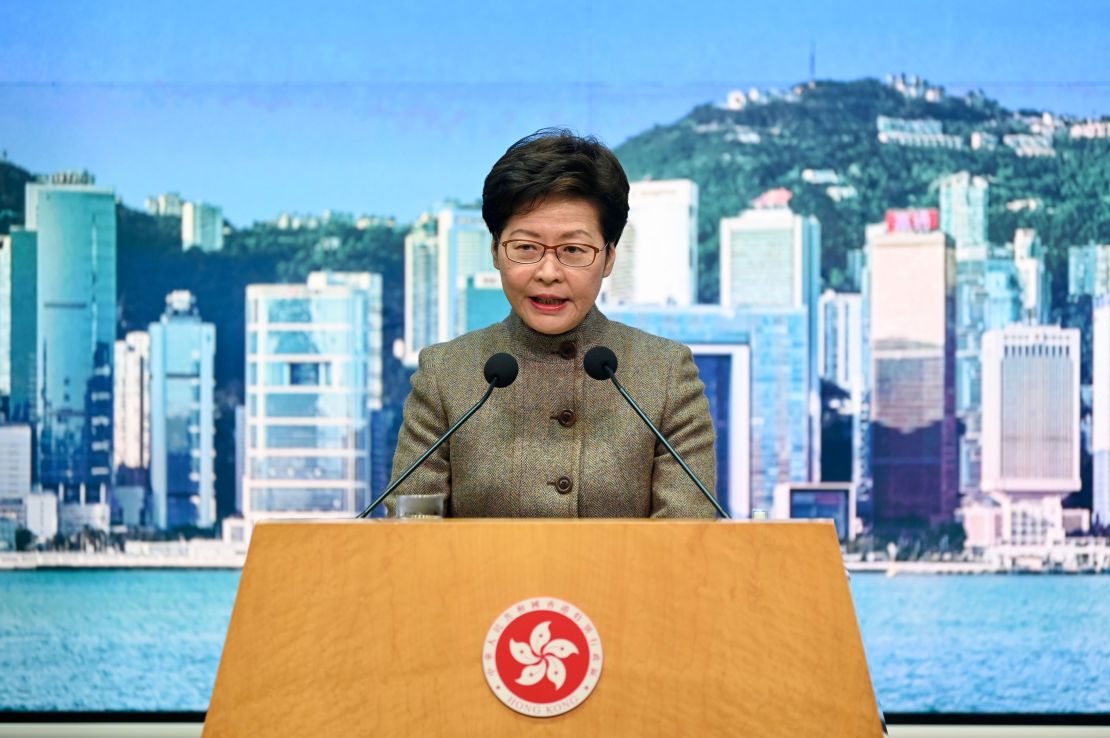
x=549, y=269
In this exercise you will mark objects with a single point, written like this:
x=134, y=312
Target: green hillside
x=832, y=125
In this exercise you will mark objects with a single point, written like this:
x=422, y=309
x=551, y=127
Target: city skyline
x=260, y=117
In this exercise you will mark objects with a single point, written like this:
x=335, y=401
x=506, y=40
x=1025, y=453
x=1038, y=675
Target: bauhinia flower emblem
x=542, y=656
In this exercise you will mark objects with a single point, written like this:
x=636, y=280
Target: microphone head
x=501, y=369
x=598, y=360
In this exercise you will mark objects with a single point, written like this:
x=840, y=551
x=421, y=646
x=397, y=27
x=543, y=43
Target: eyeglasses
x=568, y=254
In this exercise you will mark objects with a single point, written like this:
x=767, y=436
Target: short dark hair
x=554, y=162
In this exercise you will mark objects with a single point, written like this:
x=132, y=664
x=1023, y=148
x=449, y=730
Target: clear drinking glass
x=416, y=507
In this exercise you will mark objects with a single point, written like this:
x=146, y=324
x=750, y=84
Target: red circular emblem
x=542, y=657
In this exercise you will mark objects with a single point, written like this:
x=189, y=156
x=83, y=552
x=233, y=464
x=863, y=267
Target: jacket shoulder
x=483, y=343
x=641, y=343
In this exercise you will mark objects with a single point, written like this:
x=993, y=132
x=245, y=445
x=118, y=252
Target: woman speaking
x=556, y=443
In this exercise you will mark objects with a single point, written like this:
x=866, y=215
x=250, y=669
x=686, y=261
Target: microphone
x=601, y=363
x=500, y=371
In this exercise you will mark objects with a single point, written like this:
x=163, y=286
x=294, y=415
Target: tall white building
x=15, y=460
x=1036, y=295
x=771, y=258
x=462, y=250
x=840, y=346
x=1030, y=439
x=841, y=360
x=202, y=226
x=314, y=375
x=421, y=287
x=131, y=446
x=657, y=254
x=182, y=416
x=1100, y=425
x=442, y=251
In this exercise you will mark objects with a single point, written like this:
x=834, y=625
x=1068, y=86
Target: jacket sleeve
x=687, y=424
x=425, y=420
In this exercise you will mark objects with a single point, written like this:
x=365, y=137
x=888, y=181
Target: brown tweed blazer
x=557, y=443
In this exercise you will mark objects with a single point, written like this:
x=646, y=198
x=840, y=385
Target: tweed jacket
x=557, y=443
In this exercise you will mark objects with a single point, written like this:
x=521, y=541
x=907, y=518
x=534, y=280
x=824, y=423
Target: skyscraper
x=1031, y=427
x=421, y=287
x=1089, y=270
x=1100, y=412
x=1036, y=295
x=182, y=416
x=657, y=254
x=771, y=258
x=462, y=250
x=989, y=294
x=5, y=320
x=314, y=378
x=202, y=227
x=18, y=296
x=911, y=316
x=963, y=209
x=66, y=391
x=131, y=446
x=442, y=251
x=841, y=358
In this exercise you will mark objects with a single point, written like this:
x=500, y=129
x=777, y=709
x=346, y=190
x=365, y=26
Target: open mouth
x=547, y=303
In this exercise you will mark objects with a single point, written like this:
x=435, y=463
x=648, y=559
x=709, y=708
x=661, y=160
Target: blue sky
x=264, y=107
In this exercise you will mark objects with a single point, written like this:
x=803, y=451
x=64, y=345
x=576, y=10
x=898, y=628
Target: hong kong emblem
x=542, y=657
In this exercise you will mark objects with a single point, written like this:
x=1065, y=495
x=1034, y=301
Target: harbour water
x=149, y=640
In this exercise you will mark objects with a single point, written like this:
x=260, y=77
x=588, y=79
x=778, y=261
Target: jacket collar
x=544, y=347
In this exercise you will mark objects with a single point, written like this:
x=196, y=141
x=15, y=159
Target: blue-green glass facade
x=68, y=389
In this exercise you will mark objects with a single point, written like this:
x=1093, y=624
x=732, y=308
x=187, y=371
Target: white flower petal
x=556, y=672
x=522, y=653
x=541, y=634
x=532, y=674
x=561, y=648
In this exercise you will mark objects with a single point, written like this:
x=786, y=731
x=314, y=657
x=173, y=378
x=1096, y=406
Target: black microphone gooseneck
x=500, y=371
x=601, y=363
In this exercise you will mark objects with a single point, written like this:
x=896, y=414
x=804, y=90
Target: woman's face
x=548, y=296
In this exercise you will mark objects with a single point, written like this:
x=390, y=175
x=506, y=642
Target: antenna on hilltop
x=812, y=60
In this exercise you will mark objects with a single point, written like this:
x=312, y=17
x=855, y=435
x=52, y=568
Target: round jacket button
x=564, y=485
x=568, y=350
x=567, y=418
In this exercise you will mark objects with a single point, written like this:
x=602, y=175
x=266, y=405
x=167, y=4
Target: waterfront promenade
x=195, y=554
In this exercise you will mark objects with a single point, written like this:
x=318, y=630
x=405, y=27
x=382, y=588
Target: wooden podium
x=710, y=628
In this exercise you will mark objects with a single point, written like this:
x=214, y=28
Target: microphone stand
x=665, y=442
x=405, y=474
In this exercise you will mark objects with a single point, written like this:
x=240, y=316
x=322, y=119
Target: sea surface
x=138, y=640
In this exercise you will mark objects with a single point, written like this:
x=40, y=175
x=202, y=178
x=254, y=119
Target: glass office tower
x=64, y=387
x=182, y=421
x=314, y=380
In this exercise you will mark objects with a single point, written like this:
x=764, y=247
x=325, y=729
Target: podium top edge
x=537, y=521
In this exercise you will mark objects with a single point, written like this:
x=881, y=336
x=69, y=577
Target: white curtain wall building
x=314, y=375
x=657, y=253
x=1031, y=428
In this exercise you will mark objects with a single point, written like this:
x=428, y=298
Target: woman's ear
x=610, y=258
x=493, y=250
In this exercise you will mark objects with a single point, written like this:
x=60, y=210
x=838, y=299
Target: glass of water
x=417, y=507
